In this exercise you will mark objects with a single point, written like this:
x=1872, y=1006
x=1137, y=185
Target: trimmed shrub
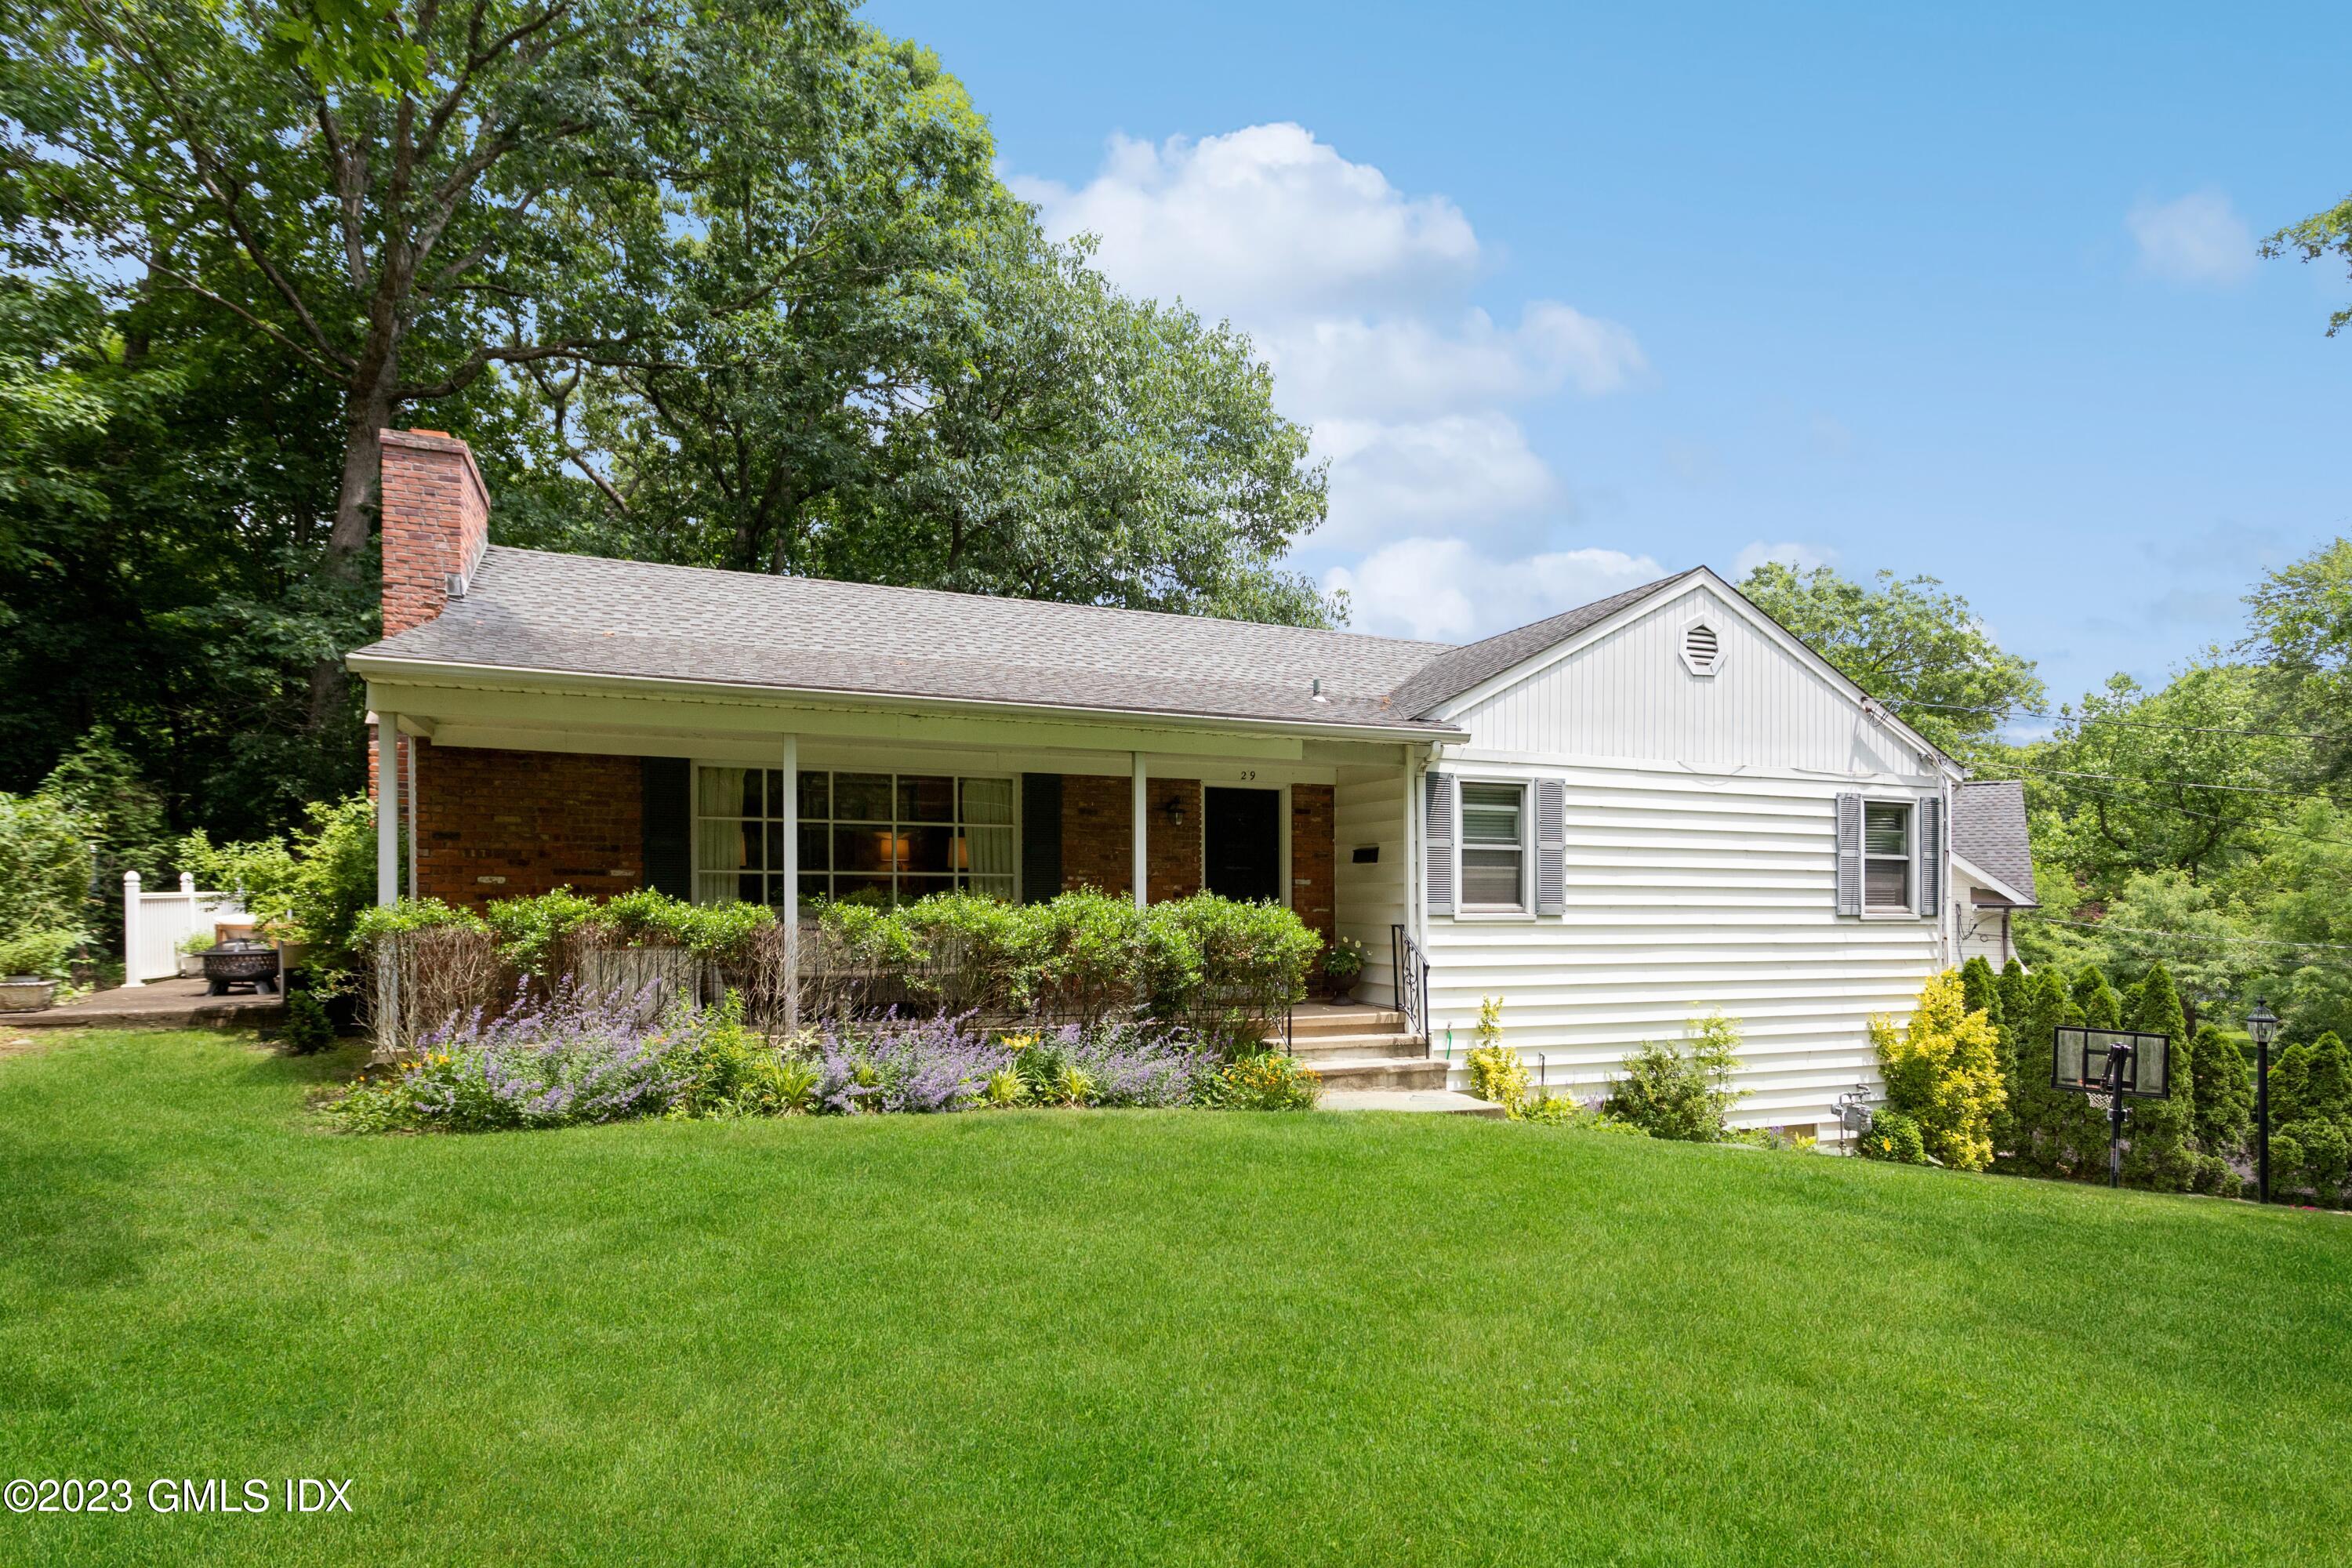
x=2162, y=1153
x=1893, y=1136
x=306, y=1030
x=1943, y=1071
x=1681, y=1092
x=2222, y=1099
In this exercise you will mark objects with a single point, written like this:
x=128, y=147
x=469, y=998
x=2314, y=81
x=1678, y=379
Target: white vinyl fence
x=155, y=924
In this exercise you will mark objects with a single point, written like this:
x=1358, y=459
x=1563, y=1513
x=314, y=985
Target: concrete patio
x=158, y=1005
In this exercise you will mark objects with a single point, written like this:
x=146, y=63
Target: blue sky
x=1571, y=295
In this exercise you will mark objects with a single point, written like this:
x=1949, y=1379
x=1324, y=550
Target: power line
x=2181, y=783
x=2011, y=710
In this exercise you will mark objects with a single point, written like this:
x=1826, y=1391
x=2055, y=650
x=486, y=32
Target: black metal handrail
x=1411, y=971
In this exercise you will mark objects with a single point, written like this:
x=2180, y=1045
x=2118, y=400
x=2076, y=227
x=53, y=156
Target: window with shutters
x=1494, y=848
x=1885, y=857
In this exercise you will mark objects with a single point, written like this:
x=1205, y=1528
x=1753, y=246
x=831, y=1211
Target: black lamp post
x=2262, y=1025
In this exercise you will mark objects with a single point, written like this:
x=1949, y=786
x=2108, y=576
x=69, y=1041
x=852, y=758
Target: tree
x=2321, y=234
x=2044, y=1118
x=2222, y=1098
x=2162, y=1153
x=1908, y=643
x=400, y=200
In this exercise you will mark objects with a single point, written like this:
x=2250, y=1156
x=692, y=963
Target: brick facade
x=497, y=824
x=435, y=515
x=1313, y=854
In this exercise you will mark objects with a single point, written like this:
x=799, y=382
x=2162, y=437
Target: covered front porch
x=505, y=788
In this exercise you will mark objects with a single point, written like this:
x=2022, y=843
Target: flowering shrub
x=585, y=1057
x=575, y=1059
x=1271, y=1081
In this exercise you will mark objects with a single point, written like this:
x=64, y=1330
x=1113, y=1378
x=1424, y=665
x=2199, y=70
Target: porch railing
x=1411, y=973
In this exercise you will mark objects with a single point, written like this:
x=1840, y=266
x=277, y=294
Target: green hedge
x=1222, y=969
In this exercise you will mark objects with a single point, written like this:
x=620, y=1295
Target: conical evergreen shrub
x=2162, y=1153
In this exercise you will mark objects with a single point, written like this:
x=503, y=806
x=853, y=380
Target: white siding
x=1369, y=810
x=1977, y=931
x=1630, y=695
x=1701, y=866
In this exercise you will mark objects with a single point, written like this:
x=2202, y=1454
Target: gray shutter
x=1928, y=860
x=1551, y=847
x=1849, y=854
x=1041, y=837
x=1438, y=814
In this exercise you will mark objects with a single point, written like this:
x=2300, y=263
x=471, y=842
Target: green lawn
x=1047, y=1337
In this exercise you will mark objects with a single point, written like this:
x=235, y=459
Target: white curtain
x=718, y=834
x=988, y=831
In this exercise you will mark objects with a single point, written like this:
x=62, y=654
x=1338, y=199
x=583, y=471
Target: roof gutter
x=2016, y=898
x=379, y=666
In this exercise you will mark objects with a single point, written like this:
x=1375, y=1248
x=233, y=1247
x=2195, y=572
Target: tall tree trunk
x=369, y=407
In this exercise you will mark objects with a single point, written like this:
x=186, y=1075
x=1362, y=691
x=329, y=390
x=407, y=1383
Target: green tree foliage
x=2014, y=1022
x=1942, y=1070
x=1910, y=643
x=2162, y=1152
x=44, y=866
x=2222, y=1097
x=731, y=285
x=2311, y=1111
x=2322, y=235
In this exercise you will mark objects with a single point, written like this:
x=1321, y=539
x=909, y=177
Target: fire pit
x=250, y=964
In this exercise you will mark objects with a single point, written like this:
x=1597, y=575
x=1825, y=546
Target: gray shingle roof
x=1457, y=669
x=1989, y=831
x=531, y=610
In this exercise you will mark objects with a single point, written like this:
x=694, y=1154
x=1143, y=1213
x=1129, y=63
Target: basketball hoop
x=2107, y=1066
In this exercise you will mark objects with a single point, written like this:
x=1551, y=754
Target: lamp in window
x=962, y=853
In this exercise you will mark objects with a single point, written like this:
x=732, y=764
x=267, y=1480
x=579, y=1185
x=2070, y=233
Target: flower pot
x=25, y=994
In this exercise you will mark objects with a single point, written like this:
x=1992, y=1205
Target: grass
x=1176, y=1337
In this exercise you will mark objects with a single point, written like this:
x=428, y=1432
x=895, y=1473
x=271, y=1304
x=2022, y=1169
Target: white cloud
x=2195, y=238
x=1265, y=216
x=1358, y=294
x=1790, y=552
x=1352, y=366
x=1453, y=471
x=1444, y=590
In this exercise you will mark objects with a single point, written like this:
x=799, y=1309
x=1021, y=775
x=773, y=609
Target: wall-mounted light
x=1173, y=808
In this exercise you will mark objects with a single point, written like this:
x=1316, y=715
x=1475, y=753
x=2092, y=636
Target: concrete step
x=1381, y=1072
x=1324, y=1047
x=1444, y=1101
x=1323, y=1019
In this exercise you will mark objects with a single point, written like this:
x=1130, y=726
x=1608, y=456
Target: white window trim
x=1492, y=916
x=1910, y=858
x=695, y=819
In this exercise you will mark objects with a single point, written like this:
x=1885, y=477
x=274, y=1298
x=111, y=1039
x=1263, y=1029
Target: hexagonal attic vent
x=1702, y=650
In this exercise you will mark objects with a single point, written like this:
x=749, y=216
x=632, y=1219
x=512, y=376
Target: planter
x=25, y=994
x=249, y=964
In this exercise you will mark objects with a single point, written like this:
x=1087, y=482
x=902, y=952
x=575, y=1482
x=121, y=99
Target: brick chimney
x=437, y=520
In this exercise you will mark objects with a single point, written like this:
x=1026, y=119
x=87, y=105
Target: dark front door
x=1241, y=846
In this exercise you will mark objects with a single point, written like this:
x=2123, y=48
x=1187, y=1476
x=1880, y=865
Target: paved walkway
x=158, y=1005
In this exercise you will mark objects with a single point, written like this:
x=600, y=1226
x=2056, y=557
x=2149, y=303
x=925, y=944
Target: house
x=1657, y=805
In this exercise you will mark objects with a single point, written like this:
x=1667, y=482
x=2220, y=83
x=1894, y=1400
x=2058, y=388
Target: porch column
x=414, y=890
x=387, y=808
x=1136, y=815
x=792, y=909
